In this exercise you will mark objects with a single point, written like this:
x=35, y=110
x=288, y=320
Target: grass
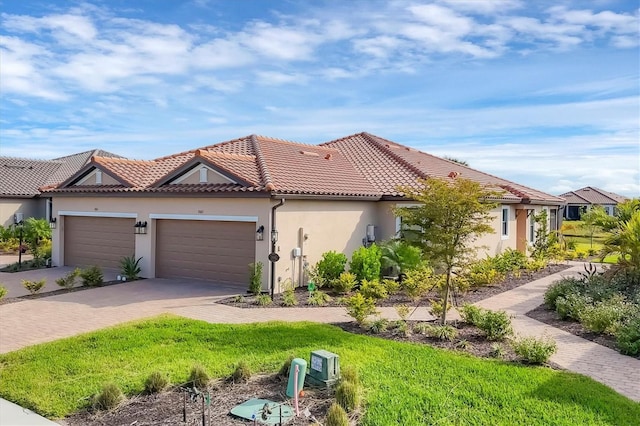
x=405, y=383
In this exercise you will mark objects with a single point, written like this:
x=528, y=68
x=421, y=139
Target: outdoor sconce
x=260, y=233
x=52, y=223
x=274, y=236
x=140, y=228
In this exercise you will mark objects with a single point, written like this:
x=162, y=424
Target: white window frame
x=98, y=177
x=504, y=223
x=532, y=227
x=203, y=175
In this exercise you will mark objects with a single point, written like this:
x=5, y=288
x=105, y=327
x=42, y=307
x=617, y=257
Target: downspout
x=272, y=284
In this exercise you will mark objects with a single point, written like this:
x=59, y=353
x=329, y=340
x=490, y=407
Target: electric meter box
x=324, y=368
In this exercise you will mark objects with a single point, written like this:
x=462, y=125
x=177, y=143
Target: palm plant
x=625, y=237
x=399, y=256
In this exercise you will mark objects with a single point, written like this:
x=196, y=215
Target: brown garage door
x=208, y=250
x=101, y=241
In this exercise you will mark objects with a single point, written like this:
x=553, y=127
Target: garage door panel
x=209, y=250
x=97, y=241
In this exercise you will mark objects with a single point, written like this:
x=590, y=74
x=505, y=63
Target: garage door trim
x=216, y=218
x=98, y=214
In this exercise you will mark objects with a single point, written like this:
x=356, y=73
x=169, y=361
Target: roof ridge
x=262, y=164
x=371, y=138
x=603, y=192
x=55, y=161
x=121, y=159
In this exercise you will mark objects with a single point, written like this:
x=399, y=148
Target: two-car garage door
x=200, y=249
x=209, y=250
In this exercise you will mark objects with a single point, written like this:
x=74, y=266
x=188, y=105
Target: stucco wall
x=30, y=207
x=142, y=208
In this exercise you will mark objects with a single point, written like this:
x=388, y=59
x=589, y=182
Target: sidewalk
x=14, y=415
x=620, y=372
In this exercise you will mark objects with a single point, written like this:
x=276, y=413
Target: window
x=553, y=219
x=98, y=177
x=532, y=226
x=203, y=175
x=505, y=221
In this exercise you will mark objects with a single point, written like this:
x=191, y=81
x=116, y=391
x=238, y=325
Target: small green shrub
x=34, y=286
x=378, y=325
x=496, y=325
x=108, y=398
x=345, y=283
x=92, y=276
x=472, y=314
x=360, y=307
x=572, y=306
x=198, y=377
x=283, y=373
x=130, y=267
x=239, y=299
x=403, y=311
x=423, y=328
x=560, y=288
x=534, y=350
x=156, y=382
x=289, y=298
x=366, y=263
x=483, y=272
x=3, y=291
x=241, y=373
x=318, y=298
x=392, y=286
x=464, y=345
x=336, y=416
x=535, y=265
x=604, y=316
x=400, y=328
x=373, y=289
x=497, y=351
x=263, y=300
x=350, y=374
x=69, y=280
x=628, y=337
x=331, y=265
x=348, y=396
x=418, y=282
x=443, y=332
x=255, y=278
x=436, y=307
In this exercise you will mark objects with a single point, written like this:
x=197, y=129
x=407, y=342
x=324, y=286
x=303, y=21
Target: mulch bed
x=547, y=316
x=166, y=408
x=8, y=300
x=510, y=282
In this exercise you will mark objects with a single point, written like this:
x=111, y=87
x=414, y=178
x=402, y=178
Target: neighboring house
x=210, y=212
x=581, y=200
x=21, y=180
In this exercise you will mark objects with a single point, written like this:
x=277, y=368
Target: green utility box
x=302, y=370
x=324, y=368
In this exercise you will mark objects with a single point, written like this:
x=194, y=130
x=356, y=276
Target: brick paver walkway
x=35, y=321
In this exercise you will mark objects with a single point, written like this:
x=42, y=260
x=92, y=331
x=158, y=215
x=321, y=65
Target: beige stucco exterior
x=29, y=207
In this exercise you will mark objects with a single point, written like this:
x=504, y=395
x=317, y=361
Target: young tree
x=593, y=220
x=451, y=215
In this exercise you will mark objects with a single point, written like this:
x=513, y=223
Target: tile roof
x=592, y=195
x=360, y=165
x=24, y=177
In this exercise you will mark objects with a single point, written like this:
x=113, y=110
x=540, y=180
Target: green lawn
x=406, y=383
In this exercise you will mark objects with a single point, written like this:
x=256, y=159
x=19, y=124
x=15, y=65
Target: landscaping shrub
x=392, y=286
x=3, y=291
x=156, y=382
x=330, y=266
x=336, y=416
x=198, y=377
x=348, y=396
x=403, y=311
x=472, y=314
x=464, y=345
x=628, y=337
x=345, y=283
x=373, y=289
x=534, y=350
x=535, y=265
x=561, y=288
x=424, y=328
x=289, y=297
x=418, y=281
x=497, y=351
x=604, y=316
x=437, y=306
x=69, y=280
x=572, y=306
x=92, y=276
x=108, y=398
x=34, y=286
x=263, y=300
x=443, y=332
x=360, y=307
x=510, y=260
x=482, y=273
x=495, y=324
x=365, y=263
x=350, y=374
x=398, y=257
x=130, y=267
x=318, y=298
x=378, y=325
x=241, y=373
x=255, y=278
x=400, y=328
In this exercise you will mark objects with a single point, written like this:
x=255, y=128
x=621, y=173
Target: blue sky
x=545, y=93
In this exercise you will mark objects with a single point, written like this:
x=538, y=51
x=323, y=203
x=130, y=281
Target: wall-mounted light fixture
x=260, y=233
x=53, y=222
x=140, y=228
x=274, y=236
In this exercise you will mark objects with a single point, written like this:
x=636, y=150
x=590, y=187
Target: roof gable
x=592, y=195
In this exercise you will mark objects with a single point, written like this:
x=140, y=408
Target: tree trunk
x=446, y=297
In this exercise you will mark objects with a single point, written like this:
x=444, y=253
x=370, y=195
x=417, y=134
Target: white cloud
x=485, y=7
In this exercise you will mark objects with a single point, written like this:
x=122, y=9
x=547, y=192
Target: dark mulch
x=547, y=316
x=510, y=282
x=8, y=300
x=469, y=340
x=166, y=408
